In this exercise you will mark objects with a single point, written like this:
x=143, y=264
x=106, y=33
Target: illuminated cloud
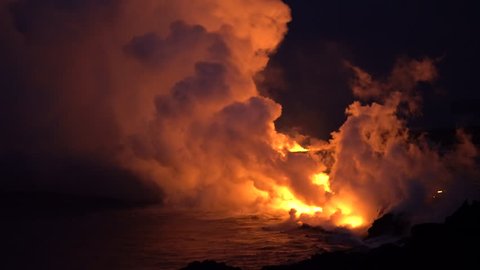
x=156, y=100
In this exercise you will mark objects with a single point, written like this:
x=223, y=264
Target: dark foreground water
x=152, y=238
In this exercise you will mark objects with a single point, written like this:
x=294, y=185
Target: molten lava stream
x=335, y=213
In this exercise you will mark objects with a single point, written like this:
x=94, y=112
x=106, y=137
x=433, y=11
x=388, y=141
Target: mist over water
x=155, y=238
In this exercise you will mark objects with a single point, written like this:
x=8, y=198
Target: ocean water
x=152, y=238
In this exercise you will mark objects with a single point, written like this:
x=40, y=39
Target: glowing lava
x=297, y=148
x=352, y=221
x=337, y=209
x=285, y=200
x=323, y=180
x=338, y=212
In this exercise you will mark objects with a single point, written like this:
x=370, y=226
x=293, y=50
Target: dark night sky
x=308, y=78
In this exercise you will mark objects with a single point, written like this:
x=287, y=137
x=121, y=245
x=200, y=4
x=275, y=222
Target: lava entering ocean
x=165, y=90
x=212, y=142
x=283, y=199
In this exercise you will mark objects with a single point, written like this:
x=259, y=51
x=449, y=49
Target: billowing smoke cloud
x=159, y=90
x=155, y=100
x=380, y=166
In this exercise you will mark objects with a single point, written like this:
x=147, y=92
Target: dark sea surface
x=152, y=238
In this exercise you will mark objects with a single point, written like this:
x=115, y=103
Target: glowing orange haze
x=208, y=139
x=178, y=106
x=212, y=143
x=339, y=211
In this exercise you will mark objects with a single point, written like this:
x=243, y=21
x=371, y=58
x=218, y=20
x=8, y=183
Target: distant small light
x=439, y=191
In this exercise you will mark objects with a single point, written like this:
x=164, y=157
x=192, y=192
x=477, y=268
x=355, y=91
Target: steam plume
x=378, y=159
x=156, y=99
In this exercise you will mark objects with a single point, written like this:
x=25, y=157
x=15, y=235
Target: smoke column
x=155, y=100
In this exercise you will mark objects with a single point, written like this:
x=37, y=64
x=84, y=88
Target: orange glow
x=285, y=200
x=284, y=144
x=338, y=211
x=185, y=116
x=297, y=148
x=351, y=221
x=322, y=179
x=345, y=209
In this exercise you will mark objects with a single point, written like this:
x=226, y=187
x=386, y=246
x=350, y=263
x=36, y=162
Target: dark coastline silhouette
x=429, y=245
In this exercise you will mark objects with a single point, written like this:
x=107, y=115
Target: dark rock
x=429, y=246
x=389, y=224
x=465, y=218
x=209, y=265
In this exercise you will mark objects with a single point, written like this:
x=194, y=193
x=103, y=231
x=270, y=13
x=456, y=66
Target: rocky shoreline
x=452, y=243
